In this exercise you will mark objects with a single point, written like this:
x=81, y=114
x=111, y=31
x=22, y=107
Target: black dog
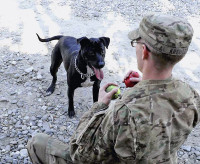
x=83, y=59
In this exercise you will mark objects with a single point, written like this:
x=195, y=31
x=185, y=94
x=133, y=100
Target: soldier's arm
x=107, y=136
x=97, y=107
x=87, y=140
x=102, y=104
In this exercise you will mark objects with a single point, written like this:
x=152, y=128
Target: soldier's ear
x=105, y=41
x=83, y=41
x=145, y=53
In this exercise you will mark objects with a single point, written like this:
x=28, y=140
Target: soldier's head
x=166, y=37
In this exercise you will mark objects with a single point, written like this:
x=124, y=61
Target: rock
x=13, y=62
x=18, y=124
x=12, y=135
x=13, y=93
x=46, y=126
x=7, y=148
x=32, y=124
x=3, y=99
x=25, y=132
x=197, y=153
x=20, y=146
x=44, y=107
x=197, y=148
x=26, y=161
x=8, y=159
x=39, y=117
x=5, y=115
x=50, y=108
x=14, y=102
x=39, y=76
x=33, y=127
x=63, y=128
x=180, y=153
x=20, y=104
x=40, y=124
x=2, y=136
x=14, y=110
x=9, y=112
x=13, y=131
x=45, y=117
x=96, y=14
x=15, y=154
x=13, y=142
x=16, y=76
x=26, y=117
x=15, y=161
x=23, y=153
x=184, y=156
x=28, y=85
x=33, y=118
x=186, y=148
x=28, y=70
x=61, y=138
x=5, y=128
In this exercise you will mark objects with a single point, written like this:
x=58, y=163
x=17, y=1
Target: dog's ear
x=83, y=41
x=105, y=41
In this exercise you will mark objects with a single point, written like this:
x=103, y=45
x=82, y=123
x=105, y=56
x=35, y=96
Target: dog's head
x=93, y=52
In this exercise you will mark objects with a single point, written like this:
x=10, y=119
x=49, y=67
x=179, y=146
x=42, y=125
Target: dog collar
x=83, y=75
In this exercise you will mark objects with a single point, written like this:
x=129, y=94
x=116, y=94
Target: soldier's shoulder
x=121, y=112
x=184, y=86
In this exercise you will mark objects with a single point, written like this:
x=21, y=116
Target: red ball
x=127, y=81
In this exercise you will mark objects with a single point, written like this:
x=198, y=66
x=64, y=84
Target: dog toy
x=129, y=83
x=116, y=95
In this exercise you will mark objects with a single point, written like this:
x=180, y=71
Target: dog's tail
x=49, y=39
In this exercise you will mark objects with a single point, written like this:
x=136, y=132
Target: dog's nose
x=101, y=64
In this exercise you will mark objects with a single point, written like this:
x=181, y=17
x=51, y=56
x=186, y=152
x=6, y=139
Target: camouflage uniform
x=147, y=125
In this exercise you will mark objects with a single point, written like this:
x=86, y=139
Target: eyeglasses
x=135, y=42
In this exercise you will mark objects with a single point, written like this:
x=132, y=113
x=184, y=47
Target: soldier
x=150, y=122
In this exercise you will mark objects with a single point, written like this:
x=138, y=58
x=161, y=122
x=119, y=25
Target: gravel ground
x=24, y=64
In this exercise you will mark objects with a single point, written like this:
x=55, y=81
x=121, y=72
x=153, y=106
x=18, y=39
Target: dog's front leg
x=71, y=111
x=95, y=90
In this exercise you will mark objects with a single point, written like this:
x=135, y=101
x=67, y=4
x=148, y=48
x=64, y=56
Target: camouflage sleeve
x=197, y=105
x=87, y=145
x=97, y=107
x=124, y=133
x=107, y=136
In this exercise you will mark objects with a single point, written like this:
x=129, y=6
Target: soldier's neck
x=154, y=74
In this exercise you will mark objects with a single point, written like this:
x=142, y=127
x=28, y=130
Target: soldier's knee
x=37, y=141
x=40, y=140
x=37, y=147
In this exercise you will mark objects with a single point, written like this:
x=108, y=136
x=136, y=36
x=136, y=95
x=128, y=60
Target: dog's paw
x=49, y=91
x=71, y=114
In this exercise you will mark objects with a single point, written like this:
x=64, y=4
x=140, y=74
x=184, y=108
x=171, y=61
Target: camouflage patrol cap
x=164, y=34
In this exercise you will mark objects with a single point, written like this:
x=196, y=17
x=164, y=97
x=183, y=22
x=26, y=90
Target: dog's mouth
x=98, y=73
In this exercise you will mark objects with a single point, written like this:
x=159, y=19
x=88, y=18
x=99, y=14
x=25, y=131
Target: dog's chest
x=88, y=81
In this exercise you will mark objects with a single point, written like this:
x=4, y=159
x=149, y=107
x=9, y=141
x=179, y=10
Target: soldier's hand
x=132, y=79
x=105, y=97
